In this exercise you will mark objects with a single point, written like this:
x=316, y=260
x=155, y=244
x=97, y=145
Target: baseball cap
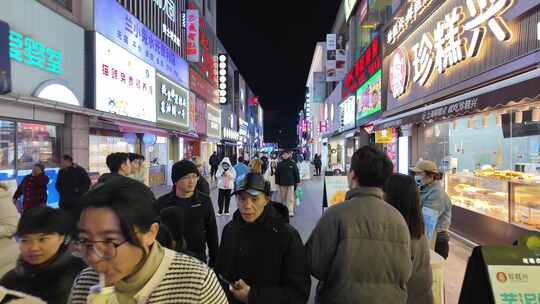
x=425, y=166
x=254, y=184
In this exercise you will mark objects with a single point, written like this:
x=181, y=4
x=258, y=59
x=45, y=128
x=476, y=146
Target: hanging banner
x=335, y=57
x=192, y=29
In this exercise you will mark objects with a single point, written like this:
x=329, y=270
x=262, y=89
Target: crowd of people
x=115, y=239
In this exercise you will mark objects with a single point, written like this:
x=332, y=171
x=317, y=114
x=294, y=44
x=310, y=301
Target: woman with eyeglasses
x=116, y=236
x=45, y=268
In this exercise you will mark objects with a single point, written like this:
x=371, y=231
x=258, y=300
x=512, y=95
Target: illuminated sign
x=223, y=60
x=230, y=134
x=349, y=7
x=192, y=29
x=25, y=49
x=213, y=115
x=447, y=46
x=5, y=63
x=347, y=112
x=323, y=126
x=385, y=136
x=367, y=65
x=125, y=85
x=398, y=72
x=368, y=97
x=168, y=6
x=118, y=25
x=171, y=102
x=402, y=23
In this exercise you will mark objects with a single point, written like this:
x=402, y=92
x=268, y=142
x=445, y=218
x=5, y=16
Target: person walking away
x=214, y=164
x=270, y=176
x=256, y=165
x=241, y=169
x=401, y=192
x=46, y=268
x=318, y=164
x=261, y=255
x=139, y=169
x=200, y=229
x=287, y=177
x=202, y=184
x=116, y=236
x=118, y=164
x=9, y=217
x=226, y=176
x=264, y=159
x=433, y=196
x=72, y=182
x=360, y=248
x=33, y=188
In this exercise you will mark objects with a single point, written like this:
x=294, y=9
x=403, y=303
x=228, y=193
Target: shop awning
x=521, y=89
x=191, y=135
x=133, y=128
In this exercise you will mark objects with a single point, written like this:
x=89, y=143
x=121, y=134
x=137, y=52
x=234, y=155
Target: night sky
x=272, y=44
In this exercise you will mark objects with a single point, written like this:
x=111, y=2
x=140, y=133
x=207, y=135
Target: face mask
x=419, y=180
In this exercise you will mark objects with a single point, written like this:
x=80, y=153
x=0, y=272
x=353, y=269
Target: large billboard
x=125, y=85
x=124, y=29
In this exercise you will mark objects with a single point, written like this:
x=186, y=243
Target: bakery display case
x=508, y=196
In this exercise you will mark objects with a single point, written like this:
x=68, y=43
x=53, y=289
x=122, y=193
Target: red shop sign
x=202, y=87
x=368, y=63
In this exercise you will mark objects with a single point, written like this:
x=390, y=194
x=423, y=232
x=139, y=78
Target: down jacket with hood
x=9, y=218
x=227, y=178
x=268, y=255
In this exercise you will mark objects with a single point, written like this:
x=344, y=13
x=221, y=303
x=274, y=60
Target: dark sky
x=272, y=44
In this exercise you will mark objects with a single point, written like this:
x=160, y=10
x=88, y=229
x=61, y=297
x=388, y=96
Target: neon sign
x=32, y=52
x=401, y=24
x=367, y=65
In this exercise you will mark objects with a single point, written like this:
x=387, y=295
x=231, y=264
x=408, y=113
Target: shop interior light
x=485, y=120
x=498, y=118
x=470, y=122
x=454, y=124
x=518, y=117
x=536, y=114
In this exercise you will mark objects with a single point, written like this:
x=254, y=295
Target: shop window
x=492, y=163
x=37, y=143
x=7, y=149
x=101, y=146
x=157, y=153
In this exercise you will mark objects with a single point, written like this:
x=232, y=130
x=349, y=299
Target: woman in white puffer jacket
x=9, y=218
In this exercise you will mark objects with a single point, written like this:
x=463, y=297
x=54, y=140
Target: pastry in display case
x=482, y=195
x=526, y=198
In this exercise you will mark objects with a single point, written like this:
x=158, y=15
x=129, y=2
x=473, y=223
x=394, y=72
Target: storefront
x=38, y=119
x=474, y=111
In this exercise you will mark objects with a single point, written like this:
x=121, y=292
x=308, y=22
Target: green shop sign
x=171, y=102
x=368, y=97
x=32, y=52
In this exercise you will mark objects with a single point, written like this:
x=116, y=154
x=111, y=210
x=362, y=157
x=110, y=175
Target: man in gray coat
x=360, y=249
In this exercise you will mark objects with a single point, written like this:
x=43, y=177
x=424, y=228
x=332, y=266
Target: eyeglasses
x=106, y=250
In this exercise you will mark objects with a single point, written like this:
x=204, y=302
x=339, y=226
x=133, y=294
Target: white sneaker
x=227, y=213
x=291, y=214
x=219, y=214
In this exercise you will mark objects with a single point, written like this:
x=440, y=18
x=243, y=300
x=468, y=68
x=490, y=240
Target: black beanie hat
x=183, y=168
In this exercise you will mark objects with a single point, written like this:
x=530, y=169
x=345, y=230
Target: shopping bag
x=300, y=193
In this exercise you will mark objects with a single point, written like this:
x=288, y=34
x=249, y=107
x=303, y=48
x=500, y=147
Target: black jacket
x=200, y=227
x=287, y=173
x=203, y=186
x=268, y=255
x=317, y=162
x=71, y=184
x=214, y=160
x=52, y=283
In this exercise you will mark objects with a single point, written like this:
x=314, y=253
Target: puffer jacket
x=227, y=178
x=433, y=196
x=9, y=218
x=419, y=285
x=360, y=250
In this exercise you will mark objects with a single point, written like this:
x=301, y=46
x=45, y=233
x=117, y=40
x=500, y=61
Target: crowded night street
x=257, y=152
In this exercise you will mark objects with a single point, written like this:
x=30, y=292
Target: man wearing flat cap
x=262, y=259
x=199, y=220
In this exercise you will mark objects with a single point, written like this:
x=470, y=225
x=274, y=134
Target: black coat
x=268, y=255
x=71, y=184
x=200, y=228
x=317, y=162
x=203, y=186
x=214, y=160
x=287, y=173
x=51, y=283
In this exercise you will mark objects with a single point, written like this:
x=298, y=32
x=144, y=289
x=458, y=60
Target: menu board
x=336, y=189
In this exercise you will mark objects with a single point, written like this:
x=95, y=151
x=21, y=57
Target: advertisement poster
x=335, y=57
x=125, y=85
x=117, y=24
x=347, y=112
x=172, y=102
x=515, y=284
x=336, y=189
x=369, y=97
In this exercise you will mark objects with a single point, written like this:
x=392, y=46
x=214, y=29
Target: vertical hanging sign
x=192, y=29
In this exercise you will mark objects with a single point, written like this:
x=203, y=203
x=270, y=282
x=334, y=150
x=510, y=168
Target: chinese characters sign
x=401, y=24
x=192, y=29
x=347, y=109
x=171, y=102
x=125, y=85
x=168, y=6
x=118, y=25
x=213, y=115
x=202, y=87
x=515, y=284
x=367, y=65
x=25, y=49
